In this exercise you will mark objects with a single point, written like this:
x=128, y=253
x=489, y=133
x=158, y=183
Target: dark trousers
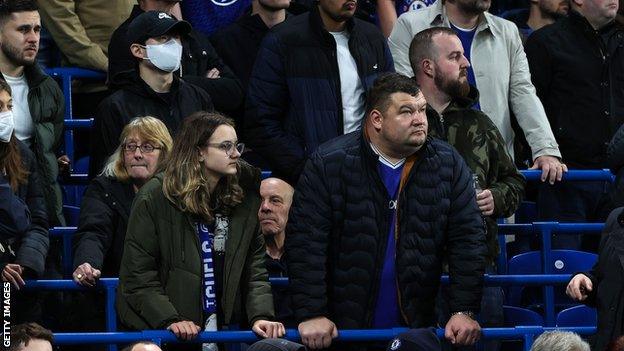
x=570, y=202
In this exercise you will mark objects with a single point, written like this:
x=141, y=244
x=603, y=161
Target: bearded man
x=437, y=58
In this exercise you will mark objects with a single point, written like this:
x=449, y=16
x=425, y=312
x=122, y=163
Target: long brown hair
x=185, y=181
x=10, y=158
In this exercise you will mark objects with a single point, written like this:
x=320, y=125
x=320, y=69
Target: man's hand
x=317, y=333
x=63, y=163
x=462, y=330
x=12, y=273
x=213, y=74
x=267, y=329
x=485, y=200
x=86, y=275
x=579, y=287
x=185, y=330
x=552, y=168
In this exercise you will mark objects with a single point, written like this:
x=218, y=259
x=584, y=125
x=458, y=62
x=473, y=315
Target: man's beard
x=15, y=55
x=552, y=14
x=455, y=88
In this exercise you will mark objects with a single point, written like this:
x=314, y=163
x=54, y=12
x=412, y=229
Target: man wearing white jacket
x=499, y=70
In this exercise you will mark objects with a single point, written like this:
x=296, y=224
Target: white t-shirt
x=24, y=126
x=351, y=89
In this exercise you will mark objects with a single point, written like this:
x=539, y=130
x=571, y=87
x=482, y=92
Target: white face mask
x=6, y=126
x=165, y=56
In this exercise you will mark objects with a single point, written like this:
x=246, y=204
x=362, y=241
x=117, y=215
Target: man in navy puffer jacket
x=375, y=214
x=309, y=83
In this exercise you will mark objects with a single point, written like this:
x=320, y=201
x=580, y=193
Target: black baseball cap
x=152, y=24
x=276, y=345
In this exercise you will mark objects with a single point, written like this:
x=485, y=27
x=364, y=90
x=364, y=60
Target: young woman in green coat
x=194, y=256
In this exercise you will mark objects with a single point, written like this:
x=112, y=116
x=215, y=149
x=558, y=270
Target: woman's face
x=6, y=103
x=220, y=155
x=140, y=164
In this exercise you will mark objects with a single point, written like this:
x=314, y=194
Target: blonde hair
x=185, y=181
x=148, y=128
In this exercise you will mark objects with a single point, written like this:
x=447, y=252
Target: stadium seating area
x=533, y=281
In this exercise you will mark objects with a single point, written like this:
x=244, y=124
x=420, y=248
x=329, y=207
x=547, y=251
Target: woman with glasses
x=98, y=242
x=194, y=254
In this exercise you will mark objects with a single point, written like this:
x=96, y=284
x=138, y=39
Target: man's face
x=474, y=7
x=404, y=124
x=276, y=200
x=600, y=11
x=274, y=5
x=554, y=8
x=338, y=10
x=19, y=38
x=451, y=66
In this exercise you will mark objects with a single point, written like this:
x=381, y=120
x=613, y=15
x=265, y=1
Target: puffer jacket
x=104, y=216
x=294, y=101
x=338, y=231
x=47, y=108
x=24, y=225
x=160, y=281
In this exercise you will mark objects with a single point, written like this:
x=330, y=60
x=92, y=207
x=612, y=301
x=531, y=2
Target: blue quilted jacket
x=294, y=102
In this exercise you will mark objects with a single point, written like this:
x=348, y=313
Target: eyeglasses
x=228, y=147
x=145, y=148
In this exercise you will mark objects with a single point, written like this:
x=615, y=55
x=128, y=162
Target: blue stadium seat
x=562, y=262
x=516, y=316
x=577, y=316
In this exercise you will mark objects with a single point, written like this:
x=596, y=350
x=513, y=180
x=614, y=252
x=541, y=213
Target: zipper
x=398, y=237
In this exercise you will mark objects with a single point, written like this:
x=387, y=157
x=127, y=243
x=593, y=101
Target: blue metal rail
x=164, y=336
x=66, y=75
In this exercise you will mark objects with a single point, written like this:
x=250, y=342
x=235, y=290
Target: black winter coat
x=294, y=101
x=607, y=295
x=24, y=224
x=137, y=99
x=579, y=76
x=101, y=232
x=338, y=231
x=198, y=57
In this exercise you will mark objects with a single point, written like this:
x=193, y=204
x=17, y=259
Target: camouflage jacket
x=481, y=145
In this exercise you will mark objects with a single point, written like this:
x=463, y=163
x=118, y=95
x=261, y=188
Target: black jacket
x=607, y=295
x=579, y=76
x=137, y=99
x=615, y=158
x=338, y=230
x=104, y=216
x=24, y=224
x=238, y=45
x=198, y=57
x=294, y=102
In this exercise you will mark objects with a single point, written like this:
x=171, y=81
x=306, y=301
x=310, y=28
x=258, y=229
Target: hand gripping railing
x=164, y=336
x=534, y=175
x=109, y=285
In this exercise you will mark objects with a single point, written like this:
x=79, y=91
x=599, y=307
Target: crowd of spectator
x=382, y=181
